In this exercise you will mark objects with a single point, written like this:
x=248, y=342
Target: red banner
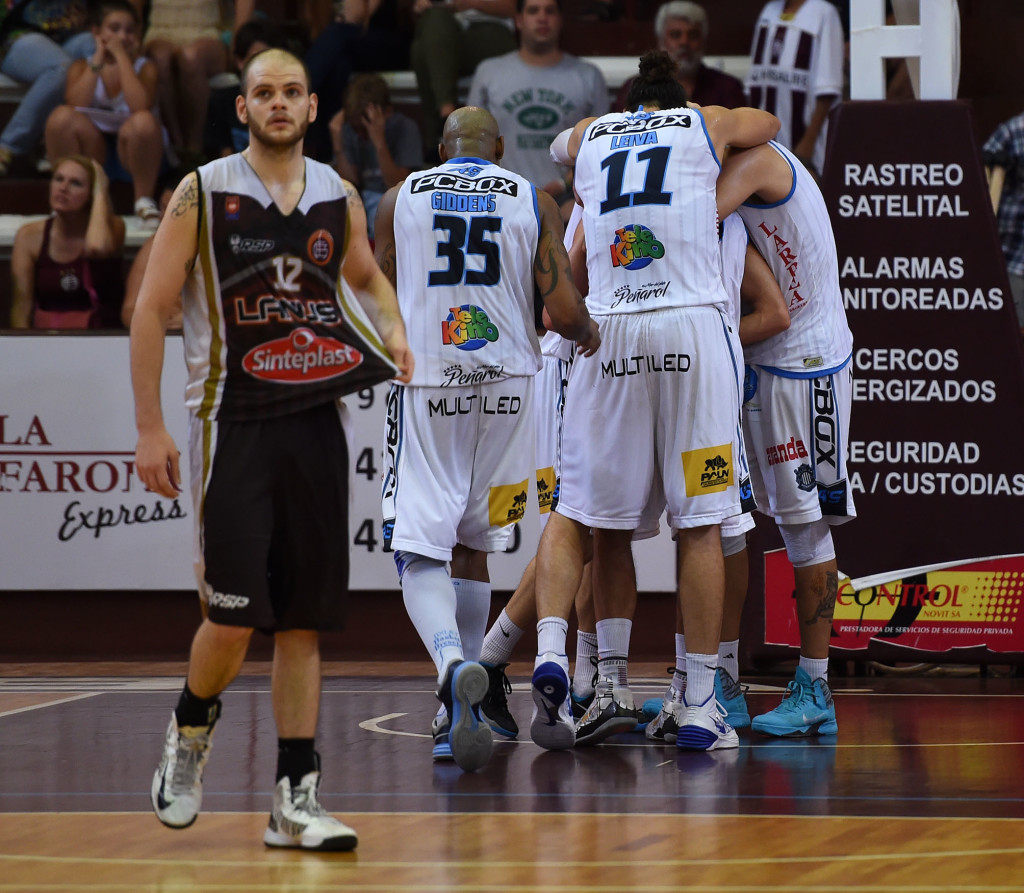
x=960, y=605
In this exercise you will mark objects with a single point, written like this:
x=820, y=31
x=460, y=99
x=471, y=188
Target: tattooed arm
x=552, y=273
x=384, y=235
x=172, y=257
x=375, y=289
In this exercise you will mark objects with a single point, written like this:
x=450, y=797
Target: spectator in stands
x=375, y=147
x=225, y=134
x=537, y=91
x=38, y=40
x=66, y=269
x=365, y=35
x=111, y=110
x=796, y=72
x=184, y=40
x=1003, y=154
x=681, y=28
x=450, y=39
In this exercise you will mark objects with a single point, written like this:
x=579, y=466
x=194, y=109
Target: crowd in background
x=147, y=90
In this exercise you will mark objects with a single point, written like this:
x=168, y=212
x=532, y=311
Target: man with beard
x=682, y=31
x=285, y=311
x=535, y=92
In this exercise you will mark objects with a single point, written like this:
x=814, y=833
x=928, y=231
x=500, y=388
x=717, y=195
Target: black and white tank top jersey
x=270, y=325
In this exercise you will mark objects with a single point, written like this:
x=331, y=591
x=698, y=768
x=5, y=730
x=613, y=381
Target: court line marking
x=374, y=725
x=556, y=888
x=682, y=816
x=504, y=888
x=159, y=684
x=68, y=700
x=530, y=863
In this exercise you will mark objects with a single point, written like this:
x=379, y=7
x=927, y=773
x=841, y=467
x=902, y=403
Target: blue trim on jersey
x=707, y=136
x=817, y=373
x=536, y=209
x=792, y=189
x=465, y=159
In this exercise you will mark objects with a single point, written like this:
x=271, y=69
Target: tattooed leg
x=816, y=590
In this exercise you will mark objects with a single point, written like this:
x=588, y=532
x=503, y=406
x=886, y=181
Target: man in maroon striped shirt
x=796, y=72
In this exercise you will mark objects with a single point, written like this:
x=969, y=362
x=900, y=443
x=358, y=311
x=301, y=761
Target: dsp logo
x=635, y=247
x=468, y=328
x=301, y=357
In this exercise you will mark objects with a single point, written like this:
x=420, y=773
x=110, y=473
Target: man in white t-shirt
x=796, y=71
x=536, y=92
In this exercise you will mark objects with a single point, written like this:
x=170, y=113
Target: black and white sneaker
x=177, y=789
x=494, y=707
x=612, y=711
x=300, y=822
x=665, y=726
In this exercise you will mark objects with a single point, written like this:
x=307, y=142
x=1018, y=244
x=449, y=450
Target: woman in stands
x=66, y=270
x=38, y=40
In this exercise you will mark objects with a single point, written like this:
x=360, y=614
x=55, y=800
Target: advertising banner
x=936, y=466
x=74, y=515
x=966, y=605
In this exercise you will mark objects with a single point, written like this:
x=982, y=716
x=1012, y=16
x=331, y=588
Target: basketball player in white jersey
x=660, y=404
x=466, y=243
x=796, y=412
x=757, y=307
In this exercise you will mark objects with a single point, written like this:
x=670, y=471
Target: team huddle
x=680, y=304
x=470, y=266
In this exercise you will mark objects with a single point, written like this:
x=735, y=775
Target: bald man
x=467, y=245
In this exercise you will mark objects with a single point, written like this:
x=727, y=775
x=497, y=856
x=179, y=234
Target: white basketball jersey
x=733, y=247
x=795, y=236
x=647, y=184
x=466, y=236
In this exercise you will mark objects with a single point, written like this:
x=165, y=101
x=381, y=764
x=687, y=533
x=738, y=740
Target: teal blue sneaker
x=806, y=709
x=647, y=713
x=730, y=698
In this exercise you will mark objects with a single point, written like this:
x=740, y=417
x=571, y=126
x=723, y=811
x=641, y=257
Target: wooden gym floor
x=922, y=791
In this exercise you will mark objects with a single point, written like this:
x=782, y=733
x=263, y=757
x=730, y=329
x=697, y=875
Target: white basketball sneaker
x=299, y=821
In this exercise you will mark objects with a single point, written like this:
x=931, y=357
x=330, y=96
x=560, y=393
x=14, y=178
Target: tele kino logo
x=34, y=466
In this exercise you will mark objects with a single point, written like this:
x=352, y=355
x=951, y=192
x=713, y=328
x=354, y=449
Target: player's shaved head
x=272, y=60
x=472, y=131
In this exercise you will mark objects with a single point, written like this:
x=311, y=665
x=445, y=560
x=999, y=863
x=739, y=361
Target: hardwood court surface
x=923, y=790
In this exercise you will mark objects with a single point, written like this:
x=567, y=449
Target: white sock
x=614, y=668
x=551, y=635
x=472, y=607
x=816, y=669
x=700, y=677
x=613, y=637
x=680, y=653
x=501, y=638
x=728, y=657
x=583, y=676
x=430, y=603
